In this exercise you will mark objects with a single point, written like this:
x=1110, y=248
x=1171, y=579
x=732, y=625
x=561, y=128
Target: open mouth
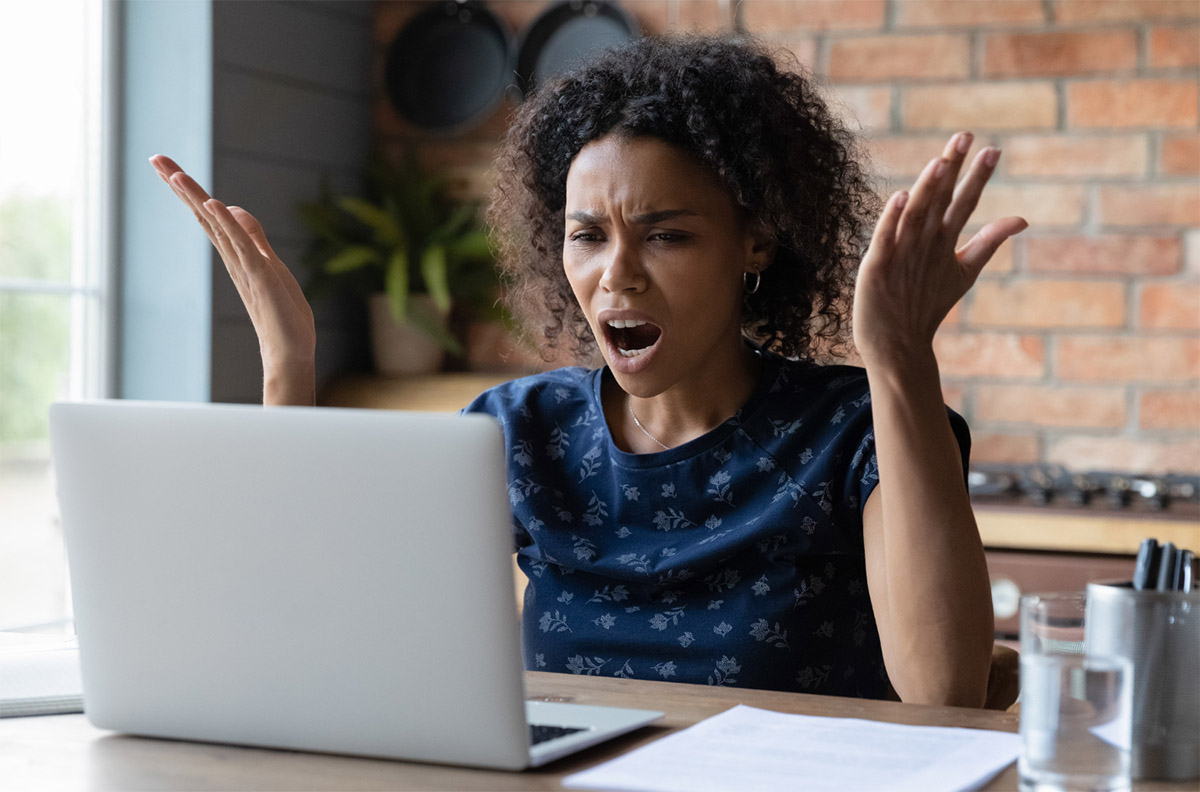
x=632, y=337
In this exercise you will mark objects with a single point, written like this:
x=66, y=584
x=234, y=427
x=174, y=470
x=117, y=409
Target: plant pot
x=400, y=349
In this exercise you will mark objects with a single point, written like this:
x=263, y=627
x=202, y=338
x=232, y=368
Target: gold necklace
x=661, y=444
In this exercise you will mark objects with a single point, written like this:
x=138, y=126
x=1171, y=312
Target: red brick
x=1174, y=47
x=1128, y=359
x=1125, y=453
x=1041, y=156
x=1169, y=410
x=1040, y=405
x=1070, y=11
x=1042, y=54
x=1004, y=448
x=1170, y=306
x=1180, y=155
x=653, y=15
x=1047, y=303
x=1043, y=205
x=661, y=16
x=708, y=16
x=1159, y=204
x=1133, y=103
x=1025, y=105
x=521, y=13
x=879, y=58
x=954, y=396
x=972, y=354
x=764, y=16
x=972, y=13
x=1133, y=255
x=863, y=108
x=904, y=157
x=801, y=47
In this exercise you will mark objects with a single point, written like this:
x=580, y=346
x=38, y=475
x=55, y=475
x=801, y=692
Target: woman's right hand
x=281, y=315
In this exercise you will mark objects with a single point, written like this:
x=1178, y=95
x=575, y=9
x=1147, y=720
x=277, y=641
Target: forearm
x=937, y=599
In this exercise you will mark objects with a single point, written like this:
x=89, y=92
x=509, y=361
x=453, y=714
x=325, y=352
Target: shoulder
x=819, y=392
x=561, y=390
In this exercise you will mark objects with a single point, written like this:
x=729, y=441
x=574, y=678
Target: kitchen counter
x=1065, y=529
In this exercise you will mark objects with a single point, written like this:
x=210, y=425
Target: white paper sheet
x=750, y=749
x=39, y=675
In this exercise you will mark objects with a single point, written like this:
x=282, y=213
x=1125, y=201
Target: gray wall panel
x=294, y=43
x=275, y=190
x=252, y=114
x=290, y=101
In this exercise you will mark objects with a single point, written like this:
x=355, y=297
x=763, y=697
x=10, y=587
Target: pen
x=1166, y=567
x=1145, y=563
x=1185, y=584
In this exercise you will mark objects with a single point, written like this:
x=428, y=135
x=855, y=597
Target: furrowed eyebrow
x=657, y=217
x=585, y=218
x=650, y=218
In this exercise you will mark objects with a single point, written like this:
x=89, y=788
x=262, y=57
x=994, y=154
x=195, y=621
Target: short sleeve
x=497, y=403
x=862, y=475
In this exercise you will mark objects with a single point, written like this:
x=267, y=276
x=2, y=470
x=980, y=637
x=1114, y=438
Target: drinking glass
x=1076, y=707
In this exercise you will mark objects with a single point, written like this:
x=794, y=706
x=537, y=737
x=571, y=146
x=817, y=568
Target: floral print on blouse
x=735, y=559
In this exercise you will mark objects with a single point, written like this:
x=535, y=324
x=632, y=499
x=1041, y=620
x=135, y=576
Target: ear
x=760, y=247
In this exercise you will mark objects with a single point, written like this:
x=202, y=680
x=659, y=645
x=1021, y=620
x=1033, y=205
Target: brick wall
x=1080, y=343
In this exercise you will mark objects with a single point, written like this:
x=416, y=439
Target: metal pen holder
x=1159, y=632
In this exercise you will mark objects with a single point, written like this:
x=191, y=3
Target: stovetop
x=1096, y=492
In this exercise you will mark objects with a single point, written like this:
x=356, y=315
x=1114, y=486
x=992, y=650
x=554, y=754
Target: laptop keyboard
x=539, y=734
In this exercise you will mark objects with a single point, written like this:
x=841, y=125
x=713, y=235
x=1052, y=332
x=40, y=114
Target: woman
x=704, y=508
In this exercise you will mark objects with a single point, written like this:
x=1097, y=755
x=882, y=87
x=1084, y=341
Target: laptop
x=314, y=579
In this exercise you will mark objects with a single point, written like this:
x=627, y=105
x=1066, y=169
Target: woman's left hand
x=912, y=275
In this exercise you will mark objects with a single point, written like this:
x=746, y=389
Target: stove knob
x=1118, y=489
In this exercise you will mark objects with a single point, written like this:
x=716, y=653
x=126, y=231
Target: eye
x=585, y=237
x=668, y=237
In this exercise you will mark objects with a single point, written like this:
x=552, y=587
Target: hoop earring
x=757, y=281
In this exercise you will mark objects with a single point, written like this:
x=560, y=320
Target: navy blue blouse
x=734, y=559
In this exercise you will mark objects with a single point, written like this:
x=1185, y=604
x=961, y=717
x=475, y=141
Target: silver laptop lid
x=316, y=579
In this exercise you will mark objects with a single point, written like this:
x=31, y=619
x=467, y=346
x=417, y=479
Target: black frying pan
x=563, y=35
x=449, y=66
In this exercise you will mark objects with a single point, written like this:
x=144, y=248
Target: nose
x=623, y=269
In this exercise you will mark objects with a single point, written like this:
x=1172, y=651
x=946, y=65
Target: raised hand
x=280, y=314
x=912, y=275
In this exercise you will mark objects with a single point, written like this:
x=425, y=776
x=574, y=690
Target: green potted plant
x=413, y=252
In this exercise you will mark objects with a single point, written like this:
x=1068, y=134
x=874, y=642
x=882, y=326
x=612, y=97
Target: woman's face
x=655, y=249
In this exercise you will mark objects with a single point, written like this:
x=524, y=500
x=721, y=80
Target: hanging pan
x=449, y=66
x=565, y=34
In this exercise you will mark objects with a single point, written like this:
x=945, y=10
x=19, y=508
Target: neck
x=689, y=410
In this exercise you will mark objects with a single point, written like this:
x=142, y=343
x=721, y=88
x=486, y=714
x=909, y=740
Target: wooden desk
x=65, y=751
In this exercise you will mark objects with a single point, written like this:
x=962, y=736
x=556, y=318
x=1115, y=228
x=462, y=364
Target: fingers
x=954, y=154
x=966, y=196
x=910, y=234
x=883, y=241
x=976, y=253
x=234, y=237
x=255, y=231
x=938, y=209
x=165, y=166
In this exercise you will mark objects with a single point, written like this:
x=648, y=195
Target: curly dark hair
x=786, y=160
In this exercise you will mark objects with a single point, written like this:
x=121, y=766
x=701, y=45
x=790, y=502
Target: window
x=54, y=292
